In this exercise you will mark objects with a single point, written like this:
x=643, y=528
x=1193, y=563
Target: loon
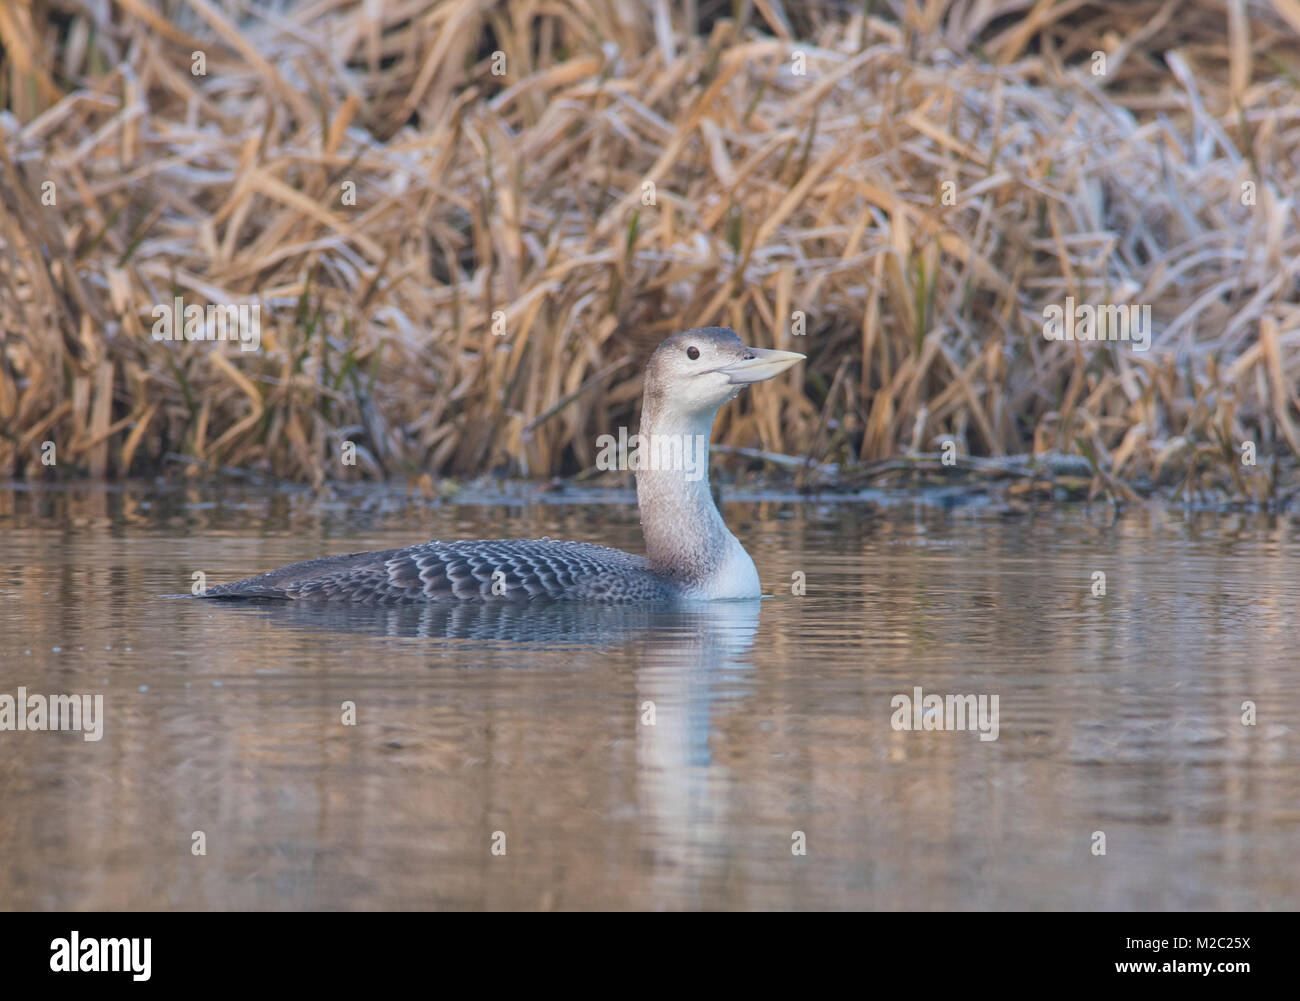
x=690, y=554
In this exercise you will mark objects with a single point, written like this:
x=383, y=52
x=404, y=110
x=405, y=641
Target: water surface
x=1119, y=714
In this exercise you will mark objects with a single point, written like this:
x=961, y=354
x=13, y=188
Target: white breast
x=735, y=576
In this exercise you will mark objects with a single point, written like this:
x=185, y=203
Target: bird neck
x=685, y=536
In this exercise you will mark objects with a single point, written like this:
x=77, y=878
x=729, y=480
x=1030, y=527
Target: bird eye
x=692, y=352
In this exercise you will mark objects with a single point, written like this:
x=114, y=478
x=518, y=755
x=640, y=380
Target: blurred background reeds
x=467, y=223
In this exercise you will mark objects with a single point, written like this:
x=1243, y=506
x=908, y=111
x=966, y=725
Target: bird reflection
x=709, y=630
x=691, y=659
x=682, y=792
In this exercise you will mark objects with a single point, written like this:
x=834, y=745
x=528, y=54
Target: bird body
x=690, y=553
x=463, y=570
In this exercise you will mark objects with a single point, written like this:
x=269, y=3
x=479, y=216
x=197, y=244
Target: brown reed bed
x=775, y=192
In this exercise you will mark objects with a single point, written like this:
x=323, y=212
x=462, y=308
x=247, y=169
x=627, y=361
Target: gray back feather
x=470, y=570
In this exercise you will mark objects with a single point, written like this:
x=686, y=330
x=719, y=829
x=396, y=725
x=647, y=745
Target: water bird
x=690, y=553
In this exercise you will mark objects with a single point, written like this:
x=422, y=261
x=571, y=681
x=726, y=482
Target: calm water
x=1119, y=714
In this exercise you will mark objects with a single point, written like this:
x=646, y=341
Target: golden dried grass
x=774, y=192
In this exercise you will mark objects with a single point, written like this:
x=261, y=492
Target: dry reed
x=1169, y=180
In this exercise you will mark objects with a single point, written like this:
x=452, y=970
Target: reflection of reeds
x=774, y=192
